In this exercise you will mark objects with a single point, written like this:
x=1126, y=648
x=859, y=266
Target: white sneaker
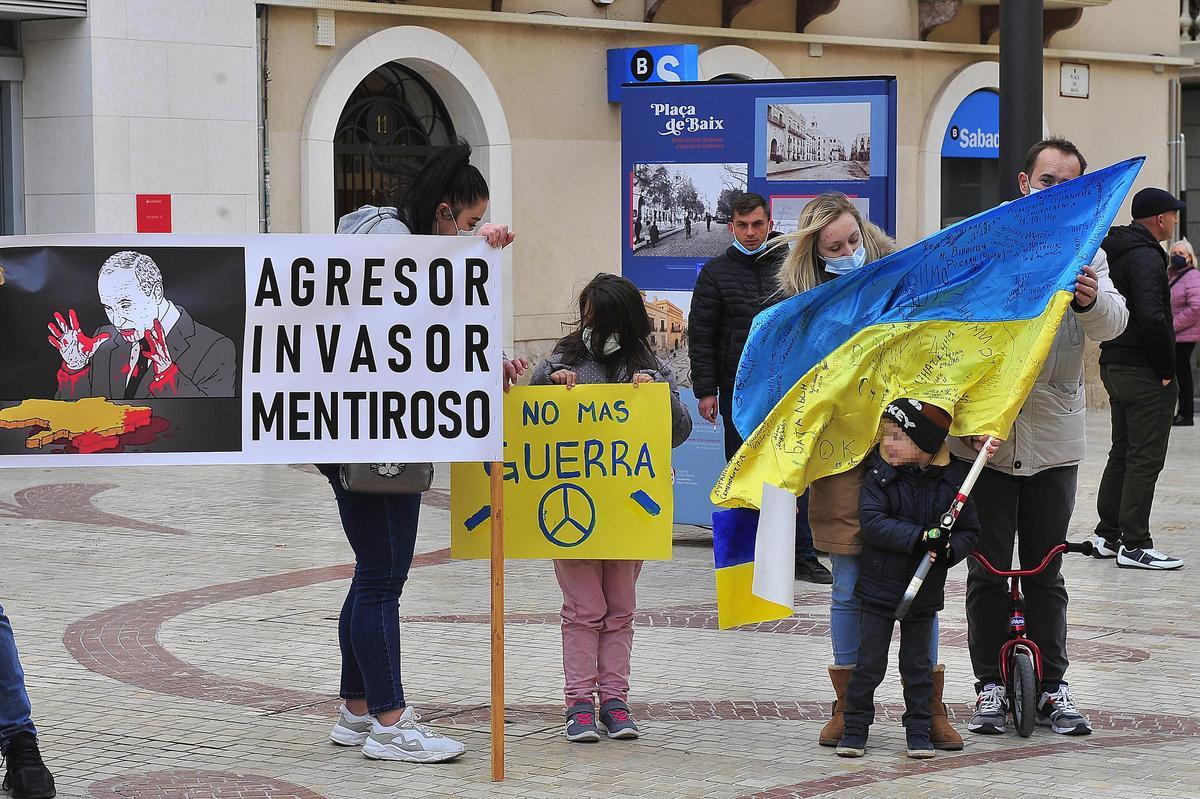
x=409, y=741
x=1102, y=549
x=1146, y=559
x=351, y=730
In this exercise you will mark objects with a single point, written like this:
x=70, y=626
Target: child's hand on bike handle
x=935, y=541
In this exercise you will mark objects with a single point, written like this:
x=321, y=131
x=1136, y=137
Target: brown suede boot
x=941, y=733
x=831, y=733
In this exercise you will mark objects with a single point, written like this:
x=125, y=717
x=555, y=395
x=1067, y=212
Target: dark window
x=9, y=40
x=969, y=185
x=393, y=119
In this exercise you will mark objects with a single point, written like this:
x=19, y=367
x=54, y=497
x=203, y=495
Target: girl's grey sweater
x=590, y=370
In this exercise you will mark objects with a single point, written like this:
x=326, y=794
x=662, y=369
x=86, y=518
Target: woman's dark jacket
x=896, y=507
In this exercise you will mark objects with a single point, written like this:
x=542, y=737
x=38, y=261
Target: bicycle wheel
x=1023, y=692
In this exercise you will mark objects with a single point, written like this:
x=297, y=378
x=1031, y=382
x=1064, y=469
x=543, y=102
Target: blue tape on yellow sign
x=587, y=474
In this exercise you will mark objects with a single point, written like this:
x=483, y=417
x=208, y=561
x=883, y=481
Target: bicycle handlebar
x=1082, y=548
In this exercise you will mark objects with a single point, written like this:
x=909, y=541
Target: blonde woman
x=832, y=239
x=1184, y=281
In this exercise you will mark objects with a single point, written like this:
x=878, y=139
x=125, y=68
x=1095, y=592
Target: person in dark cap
x=909, y=483
x=1138, y=370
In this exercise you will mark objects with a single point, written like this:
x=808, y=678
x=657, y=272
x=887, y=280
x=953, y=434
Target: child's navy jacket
x=896, y=507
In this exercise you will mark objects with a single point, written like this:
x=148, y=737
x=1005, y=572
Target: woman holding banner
x=832, y=239
x=447, y=197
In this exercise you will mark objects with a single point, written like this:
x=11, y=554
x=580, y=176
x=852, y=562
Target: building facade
x=278, y=115
x=668, y=326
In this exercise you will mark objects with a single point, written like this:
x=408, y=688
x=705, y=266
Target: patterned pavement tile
x=178, y=628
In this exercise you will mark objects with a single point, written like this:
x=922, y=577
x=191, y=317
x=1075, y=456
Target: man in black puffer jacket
x=910, y=482
x=1138, y=370
x=730, y=291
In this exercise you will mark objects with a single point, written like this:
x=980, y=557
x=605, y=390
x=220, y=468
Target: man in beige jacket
x=1027, y=492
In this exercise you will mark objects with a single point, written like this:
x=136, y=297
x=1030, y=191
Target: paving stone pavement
x=178, y=627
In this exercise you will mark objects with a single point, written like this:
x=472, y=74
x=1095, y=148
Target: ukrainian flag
x=963, y=319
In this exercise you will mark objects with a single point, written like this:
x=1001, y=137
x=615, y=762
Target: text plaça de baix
x=569, y=460
x=338, y=348
x=684, y=120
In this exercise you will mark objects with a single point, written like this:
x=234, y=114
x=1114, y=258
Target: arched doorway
x=461, y=84
x=392, y=122
x=982, y=75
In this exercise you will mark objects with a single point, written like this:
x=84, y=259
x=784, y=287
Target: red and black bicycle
x=1020, y=658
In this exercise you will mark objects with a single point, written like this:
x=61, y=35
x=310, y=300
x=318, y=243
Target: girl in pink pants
x=610, y=344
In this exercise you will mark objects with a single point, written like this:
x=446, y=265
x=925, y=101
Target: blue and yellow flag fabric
x=963, y=319
x=734, y=535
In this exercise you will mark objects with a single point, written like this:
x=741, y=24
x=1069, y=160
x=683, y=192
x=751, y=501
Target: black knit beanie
x=927, y=425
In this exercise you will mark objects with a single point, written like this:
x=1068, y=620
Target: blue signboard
x=666, y=64
x=687, y=150
x=974, y=129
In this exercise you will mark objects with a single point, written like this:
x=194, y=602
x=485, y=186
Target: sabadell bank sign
x=974, y=129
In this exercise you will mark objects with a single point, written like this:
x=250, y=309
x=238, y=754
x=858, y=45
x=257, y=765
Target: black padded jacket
x=731, y=290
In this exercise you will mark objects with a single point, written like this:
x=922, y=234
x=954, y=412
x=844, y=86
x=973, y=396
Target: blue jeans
x=14, y=699
x=843, y=614
x=382, y=531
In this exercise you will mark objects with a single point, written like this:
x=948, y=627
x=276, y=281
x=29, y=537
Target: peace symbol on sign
x=567, y=515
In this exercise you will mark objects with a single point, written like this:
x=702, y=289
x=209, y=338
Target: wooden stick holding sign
x=497, y=570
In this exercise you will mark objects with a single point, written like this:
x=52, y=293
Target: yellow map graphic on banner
x=587, y=474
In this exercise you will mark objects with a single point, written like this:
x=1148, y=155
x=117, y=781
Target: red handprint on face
x=75, y=346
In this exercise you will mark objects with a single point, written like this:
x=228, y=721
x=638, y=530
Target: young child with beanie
x=910, y=482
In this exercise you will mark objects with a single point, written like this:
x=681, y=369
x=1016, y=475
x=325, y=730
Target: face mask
x=610, y=346
x=454, y=220
x=753, y=252
x=1033, y=189
x=1179, y=261
x=846, y=263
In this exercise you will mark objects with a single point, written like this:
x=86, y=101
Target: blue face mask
x=846, y=263
x=753, y=252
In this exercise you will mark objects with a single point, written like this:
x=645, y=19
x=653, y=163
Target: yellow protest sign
x=587, y=474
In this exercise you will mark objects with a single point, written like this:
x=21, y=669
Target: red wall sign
x=153, y=213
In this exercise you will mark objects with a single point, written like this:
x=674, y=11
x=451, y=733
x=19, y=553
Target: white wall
x=142, y=97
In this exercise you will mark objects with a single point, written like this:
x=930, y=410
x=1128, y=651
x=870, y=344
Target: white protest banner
x=178, y=349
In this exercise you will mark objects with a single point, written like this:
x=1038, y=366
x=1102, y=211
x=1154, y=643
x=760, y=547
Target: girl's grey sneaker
x=581, y=723
x=351, y=730
x=614, y=715
x=853, y=744
x=920, y=746
x=411, y=742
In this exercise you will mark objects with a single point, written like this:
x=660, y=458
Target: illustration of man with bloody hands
x=152, y=348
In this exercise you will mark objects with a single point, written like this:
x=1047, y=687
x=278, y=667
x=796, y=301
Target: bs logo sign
x=643, y=67
x=672, y=63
